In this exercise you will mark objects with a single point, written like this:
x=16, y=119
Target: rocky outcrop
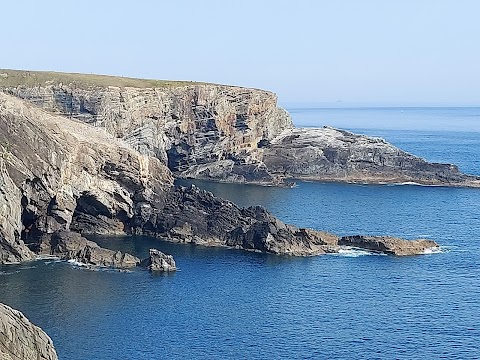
x=21, y=340
x=74, y=177
x=390, y=245
x=12, y=248
x=328, y=154
x=159, y=262
x=196, y=216
x=68, y=245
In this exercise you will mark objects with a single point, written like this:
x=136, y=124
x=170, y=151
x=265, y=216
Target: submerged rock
x=159, y=262
x=21, y=340
x=389, y=245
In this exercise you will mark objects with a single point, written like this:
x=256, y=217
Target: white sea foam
x=433, y=250
x=353, y=252
x=77, y=263
x=411, y=183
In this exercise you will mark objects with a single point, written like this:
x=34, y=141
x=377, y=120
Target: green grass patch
x=13, y=78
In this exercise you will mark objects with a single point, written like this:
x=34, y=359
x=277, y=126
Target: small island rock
x=158, y=261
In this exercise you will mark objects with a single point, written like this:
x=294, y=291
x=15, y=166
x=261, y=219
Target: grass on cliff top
x=12, y=78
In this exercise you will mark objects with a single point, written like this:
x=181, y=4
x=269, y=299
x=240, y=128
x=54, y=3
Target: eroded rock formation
x=68, y=245
x=21, y=340
x=63, y=175
x=205, y=131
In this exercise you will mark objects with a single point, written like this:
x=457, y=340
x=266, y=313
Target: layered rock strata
x=21, y=340
x=223, y=133
x=206, y=131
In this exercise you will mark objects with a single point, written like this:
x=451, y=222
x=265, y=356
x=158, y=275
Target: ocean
x=225, y=303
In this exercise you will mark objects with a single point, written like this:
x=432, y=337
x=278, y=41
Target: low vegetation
x=11, y=78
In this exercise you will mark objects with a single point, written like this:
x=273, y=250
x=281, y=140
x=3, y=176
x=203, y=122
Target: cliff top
x=13, y=78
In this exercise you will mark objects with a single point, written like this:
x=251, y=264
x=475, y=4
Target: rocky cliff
x=21, y=340
x=222, y=133
x=200, y=130
x=63, y=175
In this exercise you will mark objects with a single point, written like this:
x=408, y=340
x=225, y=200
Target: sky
x=311, y=53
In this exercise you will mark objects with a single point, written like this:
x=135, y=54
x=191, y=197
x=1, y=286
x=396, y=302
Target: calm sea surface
x=234, y=304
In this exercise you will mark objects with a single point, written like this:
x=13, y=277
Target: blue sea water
x=225, y=303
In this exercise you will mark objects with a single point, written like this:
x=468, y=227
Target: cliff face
x=66, y=175
x=21, y=340
x=203, y=131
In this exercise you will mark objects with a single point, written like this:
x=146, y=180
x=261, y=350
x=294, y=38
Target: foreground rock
x=390, y=245
x=328, y=154
x=21, y=340
x=159, y=262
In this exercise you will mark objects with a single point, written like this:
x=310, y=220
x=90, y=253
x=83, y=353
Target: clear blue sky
x=369, y=52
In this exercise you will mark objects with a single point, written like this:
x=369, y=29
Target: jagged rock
x=329, y=154
x=12, y=248
x=389, y=245
x=68, y=245
x=63, y=175
x=192, y=215
x=21, y=340
x=158, y=261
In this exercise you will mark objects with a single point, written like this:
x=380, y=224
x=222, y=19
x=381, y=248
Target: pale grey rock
x=159, y=262
x=21, y=340
x=12, y=248
x=204, y=131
